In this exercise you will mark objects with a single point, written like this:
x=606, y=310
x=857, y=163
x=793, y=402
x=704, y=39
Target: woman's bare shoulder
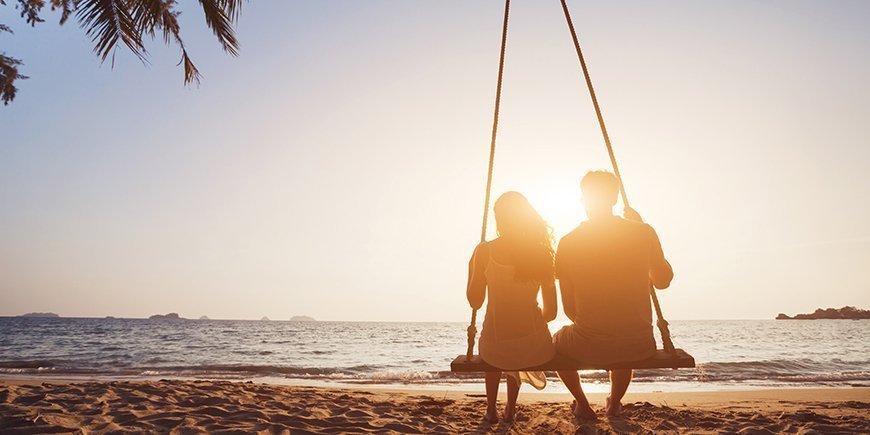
x=482, y=251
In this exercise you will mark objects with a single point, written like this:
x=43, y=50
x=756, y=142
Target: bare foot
x=583, y=411
x=510, y=413
x=491, y=416
x=613, y=409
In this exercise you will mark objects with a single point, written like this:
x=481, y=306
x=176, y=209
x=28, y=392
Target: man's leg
x=581, y=408
x=619, y=382
x=492, y=381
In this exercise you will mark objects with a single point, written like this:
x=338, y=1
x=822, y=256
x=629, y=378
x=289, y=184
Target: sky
x=336, y=168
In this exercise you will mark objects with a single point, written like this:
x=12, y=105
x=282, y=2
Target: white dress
x=514, y=334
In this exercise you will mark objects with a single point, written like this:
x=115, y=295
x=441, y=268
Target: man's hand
x=632, y=214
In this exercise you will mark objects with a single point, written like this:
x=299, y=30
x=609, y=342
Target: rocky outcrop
x=302, y=319
x=170, y=316
x=845, y=313
x=46, y=315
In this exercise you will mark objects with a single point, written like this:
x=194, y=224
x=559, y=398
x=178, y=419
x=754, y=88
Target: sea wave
x=802, y=371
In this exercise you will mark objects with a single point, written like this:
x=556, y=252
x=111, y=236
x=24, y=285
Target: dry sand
x=30, y=406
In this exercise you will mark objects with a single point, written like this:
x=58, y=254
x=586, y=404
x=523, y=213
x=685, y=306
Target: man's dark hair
x=600, y=184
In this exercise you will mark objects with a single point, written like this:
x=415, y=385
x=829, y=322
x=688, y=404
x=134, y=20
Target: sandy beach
x=34, y=406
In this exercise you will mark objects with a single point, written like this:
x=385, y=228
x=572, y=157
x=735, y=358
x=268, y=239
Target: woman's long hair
x=528, y=237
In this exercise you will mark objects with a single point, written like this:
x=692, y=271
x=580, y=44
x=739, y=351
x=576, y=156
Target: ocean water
x=739, y=354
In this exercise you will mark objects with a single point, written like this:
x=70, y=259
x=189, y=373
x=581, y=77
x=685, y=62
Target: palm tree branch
x=66, y=8
x=8, y=75
x=153, y=15
x=219, y=16
x=107, y=21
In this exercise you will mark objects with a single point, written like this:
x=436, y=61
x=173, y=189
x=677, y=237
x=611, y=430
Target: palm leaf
x=30, y=10
x=153, y=15
x=219, y=16
x=8, y=75
x=66, y=8
x=191, y=73
x=106, y=22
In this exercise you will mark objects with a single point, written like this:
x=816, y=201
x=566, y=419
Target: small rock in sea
x=170, y=316
x=39, y=315
x=848, y=313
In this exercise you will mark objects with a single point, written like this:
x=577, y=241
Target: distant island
x=264, y=319
x=204, y=318
x=170, y=316
x=46, y=315
x=845, y=313
x=302, y=319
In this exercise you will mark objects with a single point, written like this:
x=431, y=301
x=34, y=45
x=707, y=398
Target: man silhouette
x=605, y=267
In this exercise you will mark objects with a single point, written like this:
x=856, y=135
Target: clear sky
x=336, y=168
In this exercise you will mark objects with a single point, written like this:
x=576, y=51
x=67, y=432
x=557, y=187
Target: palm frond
x=8, y=75
x=219, y=16
x=30, y=10
x=107, y=21
x=191, y=73
x=233, y=8
x=66, y=8
x=154, y=15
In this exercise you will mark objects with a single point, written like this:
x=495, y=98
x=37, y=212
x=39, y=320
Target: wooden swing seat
x=661, y=360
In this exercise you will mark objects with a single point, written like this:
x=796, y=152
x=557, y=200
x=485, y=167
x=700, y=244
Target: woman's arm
x=551, y=305
x=476, y=288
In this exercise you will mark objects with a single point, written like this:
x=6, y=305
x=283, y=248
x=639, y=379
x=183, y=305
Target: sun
x=560, y=207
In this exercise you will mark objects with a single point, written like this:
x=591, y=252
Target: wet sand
x=175, y=406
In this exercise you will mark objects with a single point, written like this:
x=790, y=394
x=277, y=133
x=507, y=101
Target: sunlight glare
x=560, y=206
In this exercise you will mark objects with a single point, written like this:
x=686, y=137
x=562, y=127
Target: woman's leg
x=492, y=381
x=513, y=391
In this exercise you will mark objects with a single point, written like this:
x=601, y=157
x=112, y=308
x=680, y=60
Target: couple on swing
x=604, y=268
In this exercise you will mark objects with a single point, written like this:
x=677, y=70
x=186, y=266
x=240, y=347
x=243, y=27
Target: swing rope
x=472, y=328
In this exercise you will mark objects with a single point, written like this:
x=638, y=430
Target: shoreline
x=554, y=386
x=36, y=405
x=823, y=393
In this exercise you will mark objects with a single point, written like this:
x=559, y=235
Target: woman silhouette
x=509, y=272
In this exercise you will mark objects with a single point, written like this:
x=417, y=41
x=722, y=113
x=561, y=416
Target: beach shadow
x=590, y=427
x=607, y=425
x=624, y=425
x=485, y=427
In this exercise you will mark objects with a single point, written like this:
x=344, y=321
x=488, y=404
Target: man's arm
x=660, y=271
x=565, y=287
x=567, y=291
